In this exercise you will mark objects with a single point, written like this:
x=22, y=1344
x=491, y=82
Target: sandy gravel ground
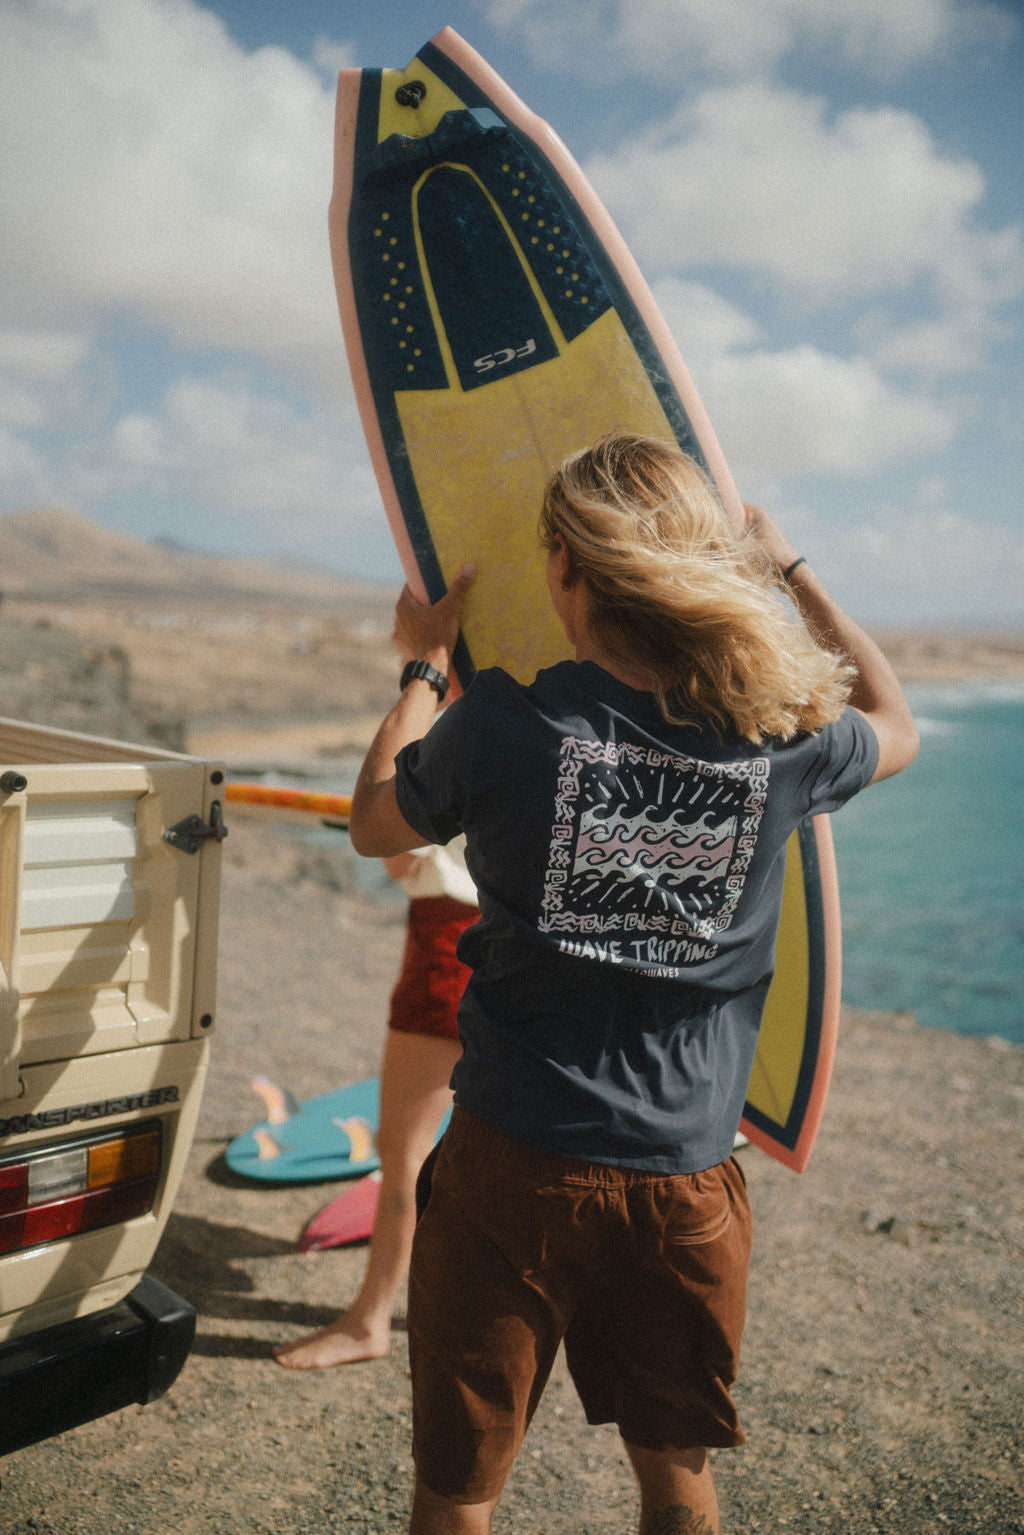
x=883, y=1379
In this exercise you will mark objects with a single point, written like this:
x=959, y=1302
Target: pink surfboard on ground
x=348, y=1218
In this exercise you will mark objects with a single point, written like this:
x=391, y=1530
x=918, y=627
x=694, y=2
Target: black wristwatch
x=438, y=681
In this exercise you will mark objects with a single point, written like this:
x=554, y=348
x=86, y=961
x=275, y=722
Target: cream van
x=109, y=889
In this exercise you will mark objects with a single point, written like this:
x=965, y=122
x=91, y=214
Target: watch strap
x=430, y=674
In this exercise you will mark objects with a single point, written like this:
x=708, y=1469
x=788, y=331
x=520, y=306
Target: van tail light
x=94, y=1181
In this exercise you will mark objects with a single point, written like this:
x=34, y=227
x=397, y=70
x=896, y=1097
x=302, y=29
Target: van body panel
x=108, y=956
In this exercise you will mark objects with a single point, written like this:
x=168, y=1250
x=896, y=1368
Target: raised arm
x=424, y=632
x=876, y=692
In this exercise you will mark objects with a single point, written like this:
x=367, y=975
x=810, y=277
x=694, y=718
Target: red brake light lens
x=95, y=1181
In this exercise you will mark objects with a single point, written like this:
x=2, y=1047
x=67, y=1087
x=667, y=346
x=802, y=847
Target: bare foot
x=343, y=1342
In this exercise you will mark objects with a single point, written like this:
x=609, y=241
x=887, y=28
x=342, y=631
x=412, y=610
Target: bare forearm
x=423, y=632
x=373, y=829
x=876, y=685
x=876, y=691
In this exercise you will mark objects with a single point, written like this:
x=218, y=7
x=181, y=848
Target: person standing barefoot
x=420, y=1051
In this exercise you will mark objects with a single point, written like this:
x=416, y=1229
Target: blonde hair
x=680, y=598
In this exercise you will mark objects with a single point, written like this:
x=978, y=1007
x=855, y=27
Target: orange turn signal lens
x=59, y=1191
x=131, y=1156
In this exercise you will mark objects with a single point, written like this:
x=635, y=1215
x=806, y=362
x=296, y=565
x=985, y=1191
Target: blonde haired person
x=686, y=604
x=626, y=816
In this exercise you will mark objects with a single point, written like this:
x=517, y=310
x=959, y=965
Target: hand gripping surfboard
x=495, y=322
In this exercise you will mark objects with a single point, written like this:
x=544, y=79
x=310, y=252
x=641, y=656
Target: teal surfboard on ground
x=320, y=1139
x=329, y=1136
x=495, y=322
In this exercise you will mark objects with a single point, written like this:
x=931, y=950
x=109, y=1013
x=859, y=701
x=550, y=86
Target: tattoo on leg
x=677, y=1520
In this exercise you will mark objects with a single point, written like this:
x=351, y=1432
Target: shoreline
x=319, y=747
x=232, y=678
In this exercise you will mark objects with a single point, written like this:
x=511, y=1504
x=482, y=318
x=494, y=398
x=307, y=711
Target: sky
x=824, y=195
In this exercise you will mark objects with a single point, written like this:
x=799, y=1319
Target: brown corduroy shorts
x=642, y=1276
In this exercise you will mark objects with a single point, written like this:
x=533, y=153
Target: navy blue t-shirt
x=629, y=875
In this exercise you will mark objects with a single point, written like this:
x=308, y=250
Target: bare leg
x=414, y=1095
x=677, y=1493
x=434, y=1515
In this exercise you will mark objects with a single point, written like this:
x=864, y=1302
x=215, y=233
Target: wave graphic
x=644, y=849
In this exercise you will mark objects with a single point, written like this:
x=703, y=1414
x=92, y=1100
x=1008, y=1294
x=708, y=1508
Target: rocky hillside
x=108, y=634
x=51, y=677
x=54, y=555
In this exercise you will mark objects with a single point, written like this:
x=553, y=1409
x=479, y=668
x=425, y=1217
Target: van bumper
x=62, y=1377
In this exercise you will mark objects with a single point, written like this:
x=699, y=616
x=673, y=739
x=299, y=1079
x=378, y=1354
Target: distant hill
x=50, y=554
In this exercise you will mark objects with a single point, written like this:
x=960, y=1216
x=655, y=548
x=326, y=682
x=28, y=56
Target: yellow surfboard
x=495, y=321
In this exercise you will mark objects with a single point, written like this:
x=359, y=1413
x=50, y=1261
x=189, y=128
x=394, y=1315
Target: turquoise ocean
x=930, y=868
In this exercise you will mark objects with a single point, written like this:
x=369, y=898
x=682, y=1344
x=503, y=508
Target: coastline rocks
x=49, y=677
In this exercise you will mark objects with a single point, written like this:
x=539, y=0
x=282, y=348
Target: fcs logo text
x=506, y=355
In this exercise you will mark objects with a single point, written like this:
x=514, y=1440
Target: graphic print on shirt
x=649, y=852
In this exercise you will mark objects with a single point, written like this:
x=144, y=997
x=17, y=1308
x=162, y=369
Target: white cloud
x=932, y=349
x=236, y=461
x=25, y=477
x=553, y=34
x=666, y=39
x=218, y=442
x=153, y=171
x=297, y=474
x=795, y=411
x=39, y=375
x=735, y=37
x=149, y=162
x=332, y=57
x=42, y=355
x=928, y=564
x=802, y=411
x=705, y=325
x=763, y=180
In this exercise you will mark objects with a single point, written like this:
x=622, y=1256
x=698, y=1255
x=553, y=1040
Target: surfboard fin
x=360, y=1134
x=268, y=1147
x=280, y=1104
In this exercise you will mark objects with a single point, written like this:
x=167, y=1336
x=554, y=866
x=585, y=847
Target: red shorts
x=642, y=1276
x=431, y=982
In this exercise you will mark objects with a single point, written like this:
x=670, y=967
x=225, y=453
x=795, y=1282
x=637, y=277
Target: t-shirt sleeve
x=431, y=775
x=845, y=761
